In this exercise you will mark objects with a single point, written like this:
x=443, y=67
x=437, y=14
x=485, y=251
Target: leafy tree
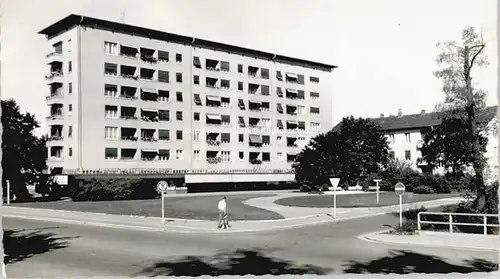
x=24, y=154
x=357, y=148
x=456, y=62
x=451, y=144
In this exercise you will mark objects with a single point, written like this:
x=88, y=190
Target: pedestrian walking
x=223, y=222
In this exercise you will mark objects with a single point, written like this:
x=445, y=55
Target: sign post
x=400, y=188
x=378, y=189
x=335, y=183
x=8, y=191
x=162, y=188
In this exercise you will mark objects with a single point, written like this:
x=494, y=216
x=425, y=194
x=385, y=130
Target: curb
x=370, y=238
x=62, y=211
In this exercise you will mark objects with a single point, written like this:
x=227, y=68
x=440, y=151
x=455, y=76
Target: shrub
x=423, y=189
x=113, y=189
x=438, y=183
x=409, y=227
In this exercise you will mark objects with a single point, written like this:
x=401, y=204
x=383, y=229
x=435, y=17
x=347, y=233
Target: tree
x=24, y=154
x=357, y=148
x=450, y=145
x=456, y=62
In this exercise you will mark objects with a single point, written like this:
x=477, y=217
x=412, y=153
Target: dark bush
x=491, y=207
x=409, y=227
x=113, y=189
x=423, y=189
x=438, y=183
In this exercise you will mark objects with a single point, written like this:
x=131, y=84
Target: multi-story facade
x=404, y=136
x=127, y=98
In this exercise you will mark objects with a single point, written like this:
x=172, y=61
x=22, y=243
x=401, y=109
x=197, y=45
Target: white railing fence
x=451, y=224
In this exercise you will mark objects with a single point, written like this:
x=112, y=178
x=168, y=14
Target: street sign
x=162, y=186
x=399, y=188
x=335, y=182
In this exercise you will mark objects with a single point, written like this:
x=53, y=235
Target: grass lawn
x=197, y=207
x=360, y=200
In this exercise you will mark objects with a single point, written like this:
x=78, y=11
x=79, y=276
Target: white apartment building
x=404, y=135
x=130, y=100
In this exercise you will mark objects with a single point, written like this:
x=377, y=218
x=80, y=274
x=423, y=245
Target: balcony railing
x=53, y=75
x=53, y=54
x=130, y=97
x=214, y=160
x=150, y=139
x=55, y=115
x=132, y=138
x=128, y=117
x=55, y=138
x=129, y=76
x=213, y=142
x=54, y=96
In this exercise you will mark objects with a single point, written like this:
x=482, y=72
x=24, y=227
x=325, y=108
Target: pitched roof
x=420, y=121
x=74, y=19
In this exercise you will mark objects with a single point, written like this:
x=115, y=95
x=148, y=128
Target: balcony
x=148, y=55
x=127, y=92
x=128, y=154
x=149, y=115
x=128, y=72
x=128, y=52
x=54, y=97
x=55, y=153
x=110, y=70
x=149, y=155
x=212, y=65
x=128, y=113
x=214, y=160
x=128, y=134
x=291, y=110
x=213, y=119
x=253, y=71
x=147, y=74
x=149, y=95
x=213, y=142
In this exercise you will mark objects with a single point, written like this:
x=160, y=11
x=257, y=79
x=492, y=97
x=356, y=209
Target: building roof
x=421, y=120
x=74, y=19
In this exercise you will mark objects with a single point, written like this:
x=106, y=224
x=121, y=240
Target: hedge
x=113, y=189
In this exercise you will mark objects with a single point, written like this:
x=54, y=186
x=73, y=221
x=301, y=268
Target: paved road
x=47, y=249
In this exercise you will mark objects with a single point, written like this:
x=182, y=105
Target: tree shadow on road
x=404, y=262
x=237, y=262
x=23, y=244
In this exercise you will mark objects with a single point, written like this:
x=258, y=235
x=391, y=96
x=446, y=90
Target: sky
x=385, y=49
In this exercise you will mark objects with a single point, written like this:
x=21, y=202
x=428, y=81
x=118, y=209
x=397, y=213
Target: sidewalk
x=459, y=241
x=203, y=226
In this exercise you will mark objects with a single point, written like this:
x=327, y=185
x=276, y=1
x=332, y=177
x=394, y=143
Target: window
x=163, y=76
x=264, y=90
x=266, y=157
x=179, y=97
x=111, y=153
x=241, y=138
x=163, y=56
x=301, y=109
x=196, y=62
x=240, y=85
x=70, y=88
x=196, y=80
x=178, y=58
x=196, y=116
x=164, y=135
x=314, y=79
x=110, y=69
x=315, y=126
x=314, y=110
x=391, y=138
x=70, y=109
x=179, y=154
x=279, y=139
x=70, y=152
x=178, y=77
x=70, y=67
x=407, y=155
x=69, y=45
x=196, y=135
x=110, y=48
x=163, y=96
x=164, y=154
x=280, y=156
x=110, y=90
x=111, y=133
x=264, y=73
x=240, y=68
x=314, y=95
x=178, y=115
x=226, y=156
x=178, y=134
x=111, y=112
x=392, y=155
x=70, y=131
x=224, y=66
x=266, y=122
x=408, y=137
x=196, y=155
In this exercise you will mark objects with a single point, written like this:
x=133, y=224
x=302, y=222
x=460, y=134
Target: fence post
x=450, y=220
x=419, y=227
x=485, y=224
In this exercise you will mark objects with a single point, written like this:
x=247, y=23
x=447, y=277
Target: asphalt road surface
x=45, y=249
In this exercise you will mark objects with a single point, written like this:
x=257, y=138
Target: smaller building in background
x=404, y=133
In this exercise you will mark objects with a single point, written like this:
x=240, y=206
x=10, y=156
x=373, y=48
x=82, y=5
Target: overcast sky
x=385, y=49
